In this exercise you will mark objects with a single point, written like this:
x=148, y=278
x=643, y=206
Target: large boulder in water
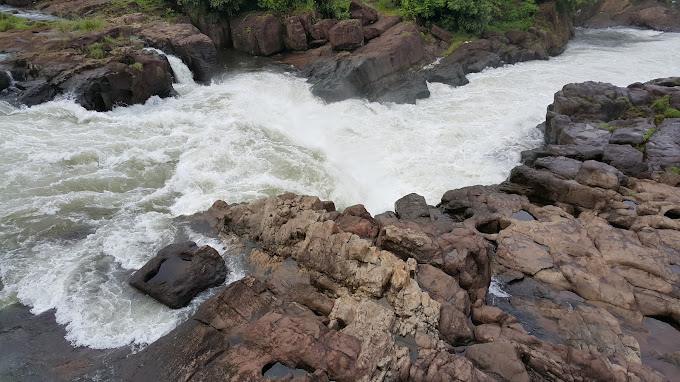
x=179, y=272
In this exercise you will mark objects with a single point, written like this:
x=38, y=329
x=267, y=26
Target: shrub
x=96, y=51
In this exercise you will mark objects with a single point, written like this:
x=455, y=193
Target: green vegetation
x=663, y=110
x=9, y=22
x=138, y=65
x=338, y=9
x=458, y=40
x=96, y=51
x=84, y=25
x=673, y=170
x=648, y=134
x=474, y=16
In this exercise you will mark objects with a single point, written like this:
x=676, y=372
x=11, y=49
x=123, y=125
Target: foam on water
x=87, y=197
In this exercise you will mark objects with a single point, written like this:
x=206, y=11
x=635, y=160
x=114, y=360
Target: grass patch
x=457, y=41
x=84, y=25
x=138, y=65
x=663, y=110
x=648, y=134
x=96, y=51
x=673, y=170
x=9, y=22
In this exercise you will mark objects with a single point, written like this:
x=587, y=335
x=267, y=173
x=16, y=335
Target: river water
x=87, y=197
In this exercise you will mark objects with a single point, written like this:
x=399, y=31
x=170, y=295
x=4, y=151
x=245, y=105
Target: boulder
x=5, y=80
x=598, y=174
x=499, y=359
x=412, y=207
x=195, y=49
x=516, y=36
x=567, y=168
x=346, y=35
x=441, y=33
x=319, y=31
x=626, y=159
x=179, y=272
x=295, y=38
x=378, y=70
x=362, y=12
x=384, y=23
x=258, y=34
x=657, y=17
x=120, y=84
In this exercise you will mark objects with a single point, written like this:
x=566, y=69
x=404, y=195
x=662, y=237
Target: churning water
x=87, y=197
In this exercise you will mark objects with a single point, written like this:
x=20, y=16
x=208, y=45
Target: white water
x=87, y=197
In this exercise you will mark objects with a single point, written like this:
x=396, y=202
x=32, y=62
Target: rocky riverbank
x=584, y=244
x=101, y=63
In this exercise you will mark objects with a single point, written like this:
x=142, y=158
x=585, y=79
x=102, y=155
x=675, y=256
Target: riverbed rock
x=650, y=14
x=180, y=272
x=440, y=33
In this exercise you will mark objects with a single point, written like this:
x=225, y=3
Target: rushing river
x=87, y=197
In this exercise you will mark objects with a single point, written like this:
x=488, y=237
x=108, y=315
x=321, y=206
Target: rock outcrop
x=103, y=68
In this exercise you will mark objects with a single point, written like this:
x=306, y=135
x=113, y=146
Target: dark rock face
x=120, y=84
x=346, y=35
x=5, y=80
x=257, y=34
x=319, y=31
x=180, y=272
x=372, y=70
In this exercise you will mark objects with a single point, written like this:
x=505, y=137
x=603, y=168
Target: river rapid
x=88, y=197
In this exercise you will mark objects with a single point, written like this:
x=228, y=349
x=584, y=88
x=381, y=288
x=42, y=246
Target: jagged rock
x=180, y=272
x=346, y=35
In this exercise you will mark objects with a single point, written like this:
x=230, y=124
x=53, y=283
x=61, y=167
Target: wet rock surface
x=179, y=272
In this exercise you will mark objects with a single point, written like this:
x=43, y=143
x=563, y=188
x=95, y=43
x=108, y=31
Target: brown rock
x=362, y=12
x=384, y=23
x=257, y=34
x=346, y=35
x=295, y=38
x=319, y=31
x=499, y=358
x=441, y=33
